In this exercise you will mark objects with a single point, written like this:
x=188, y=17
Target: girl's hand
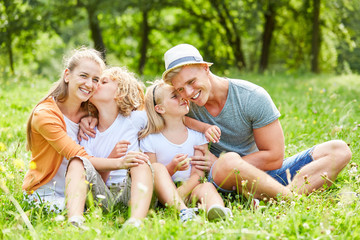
x=133, y=159
x=87, y=125
x=120, y=149
x=180, y=162
x=213, y=134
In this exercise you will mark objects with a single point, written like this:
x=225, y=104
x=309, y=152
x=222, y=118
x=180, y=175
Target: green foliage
x=32, y=33
x=314, y=108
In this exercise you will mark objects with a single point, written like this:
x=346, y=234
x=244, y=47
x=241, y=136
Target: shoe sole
x=216, y=213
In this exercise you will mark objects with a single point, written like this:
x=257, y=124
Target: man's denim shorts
x=293, y=163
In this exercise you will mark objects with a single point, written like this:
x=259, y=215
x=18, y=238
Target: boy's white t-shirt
x=123, y=128
x=165, y=150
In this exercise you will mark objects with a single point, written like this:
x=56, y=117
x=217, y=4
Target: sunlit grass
x=314, y=108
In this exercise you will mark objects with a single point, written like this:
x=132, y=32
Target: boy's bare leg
x=141, y=190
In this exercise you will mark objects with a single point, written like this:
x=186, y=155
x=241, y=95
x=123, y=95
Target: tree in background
x=269, y=27
x=316, y=36
x=249, y=35
x=92, y=7
x=20, y=25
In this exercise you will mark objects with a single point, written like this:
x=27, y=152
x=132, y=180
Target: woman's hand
x=203, y=161
x=87, y=125
x=120, y=149
x=213, y=134
x=133, y=159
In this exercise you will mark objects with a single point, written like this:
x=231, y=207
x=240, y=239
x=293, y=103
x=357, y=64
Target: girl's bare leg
x=165, y=189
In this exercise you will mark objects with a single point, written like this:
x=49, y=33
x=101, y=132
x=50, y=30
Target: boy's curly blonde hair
x=130, y=92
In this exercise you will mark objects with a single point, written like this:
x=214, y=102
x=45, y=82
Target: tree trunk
x=144, y=40
x=9, y=37
x=9, y=50
x=315, y=44
x=232, y=34
x=269, y=28
x=96, y=31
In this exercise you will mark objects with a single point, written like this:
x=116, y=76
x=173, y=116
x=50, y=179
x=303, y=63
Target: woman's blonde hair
x=59, y=91
x=130, y=92
x=153, y=97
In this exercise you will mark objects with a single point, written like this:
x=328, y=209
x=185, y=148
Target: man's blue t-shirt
x=247, y=107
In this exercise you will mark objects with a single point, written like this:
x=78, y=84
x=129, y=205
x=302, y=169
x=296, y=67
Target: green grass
x=315, y=108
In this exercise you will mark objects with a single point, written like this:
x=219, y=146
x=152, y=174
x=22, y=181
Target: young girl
x=167, y=140
x=52, y=139
x=118, y=99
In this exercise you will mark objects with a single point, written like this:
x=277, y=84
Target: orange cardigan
x=50, y=143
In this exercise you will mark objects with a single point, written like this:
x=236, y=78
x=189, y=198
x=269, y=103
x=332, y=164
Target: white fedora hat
x=181, y=55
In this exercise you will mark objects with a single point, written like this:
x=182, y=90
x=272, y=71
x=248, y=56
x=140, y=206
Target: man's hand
x=205, y=161
x=87, y=125
x=120, y=149
x=213, y=134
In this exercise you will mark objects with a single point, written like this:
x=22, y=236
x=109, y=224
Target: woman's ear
x=66, y=75
x=159, y=109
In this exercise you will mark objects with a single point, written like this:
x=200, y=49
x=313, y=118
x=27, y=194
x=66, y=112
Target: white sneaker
x=187, y=214
x=217, y=212
x=77, y=221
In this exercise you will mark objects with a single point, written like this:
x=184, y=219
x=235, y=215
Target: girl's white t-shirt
x=123, y=128
x=165, y=150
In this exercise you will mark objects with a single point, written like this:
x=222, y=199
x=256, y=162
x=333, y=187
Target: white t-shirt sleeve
x=147, y=144
x=198, y=137
x=139, y=119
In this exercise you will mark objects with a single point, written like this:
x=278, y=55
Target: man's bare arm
x=270, y=142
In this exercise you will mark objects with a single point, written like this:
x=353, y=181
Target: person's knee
x=75, y=164
x=158, y=167
x=231, y=162
x=341, y=151
x=208, y=186
x=144, y=168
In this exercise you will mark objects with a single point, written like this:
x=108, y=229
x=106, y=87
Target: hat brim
x=184, y=64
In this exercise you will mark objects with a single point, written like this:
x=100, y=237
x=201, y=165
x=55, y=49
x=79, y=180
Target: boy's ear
x=159, y=109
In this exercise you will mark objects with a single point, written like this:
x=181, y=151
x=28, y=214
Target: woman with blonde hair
x=52, y=139
x=167, y=140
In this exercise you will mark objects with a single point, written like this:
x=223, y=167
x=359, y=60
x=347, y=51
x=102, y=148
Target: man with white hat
x=252, y=140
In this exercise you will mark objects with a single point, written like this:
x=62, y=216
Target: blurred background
x=256, y=36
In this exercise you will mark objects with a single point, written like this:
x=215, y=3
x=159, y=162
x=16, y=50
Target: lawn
x=314, y=108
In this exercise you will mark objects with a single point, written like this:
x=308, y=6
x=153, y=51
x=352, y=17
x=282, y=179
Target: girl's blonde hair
x=130, y=92
x=153, y=97
x=59, y=91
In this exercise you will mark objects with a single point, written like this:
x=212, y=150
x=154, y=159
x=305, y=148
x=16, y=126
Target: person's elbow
x=276, y=160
